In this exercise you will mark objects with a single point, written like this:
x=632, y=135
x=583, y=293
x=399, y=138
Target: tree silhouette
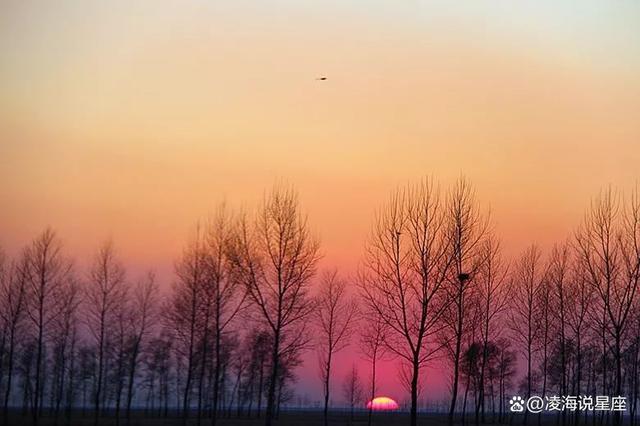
x=352, y=390
x=493, y=296
x=105, y=294
x=407, y=261
x=371, y=346
x=466, y=229
x=143, y=314
x=608, y=246
x=182, y=312
x=276, y=258
x=527, y=282
x=335, y=314
x=47, y=271
x=13, y=288
x=231, y=331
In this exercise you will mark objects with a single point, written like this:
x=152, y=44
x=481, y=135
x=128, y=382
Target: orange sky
x=133, y=121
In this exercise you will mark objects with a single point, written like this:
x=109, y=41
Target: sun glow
x=382, y=403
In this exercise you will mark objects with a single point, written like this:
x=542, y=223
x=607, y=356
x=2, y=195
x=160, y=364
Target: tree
x=527, y=284
x=223, y=292
x=276, y=258
x=579, y=303
x=143, y=314
x=608, y=246
x=335, y=314
x=255, y=344
x=183, y=312
x=493, y=295
x=477, y=356
x=47, y=271
x=13, y=288
x=406, y=264
x=64, y=339
x=105, y=294
x=559, y=279
x=506, y=371
x=157, y=361
x=372, y=347
x=466, y=229
x=260, y=344
x=543, y=302
x=352, y=389
x=122, y=319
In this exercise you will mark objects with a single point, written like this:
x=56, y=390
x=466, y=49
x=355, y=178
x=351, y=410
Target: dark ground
x=309, y=418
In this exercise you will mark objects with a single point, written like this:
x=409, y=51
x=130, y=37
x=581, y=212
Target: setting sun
x=382, y=403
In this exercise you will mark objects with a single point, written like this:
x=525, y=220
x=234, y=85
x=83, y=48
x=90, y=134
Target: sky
x=133, y=120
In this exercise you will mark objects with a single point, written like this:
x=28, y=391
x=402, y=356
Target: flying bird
x=321, y=78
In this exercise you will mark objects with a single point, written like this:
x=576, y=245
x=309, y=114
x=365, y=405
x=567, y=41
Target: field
x=308, y=418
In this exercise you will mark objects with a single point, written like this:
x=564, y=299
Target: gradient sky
x=132, y=121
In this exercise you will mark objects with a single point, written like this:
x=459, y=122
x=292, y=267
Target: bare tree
x=608, y=246
x=372, y=349
x=493, y=295
x=157, y=361
x=48, y=270
x=143, y=314
x=335, y=314
x=276, y=258
x=223, y=292
x=183, y=312
x=13, y=287
x=352, y=390
x=64, y=338
x=506, y=371
x=260, y=344
x=105, y=293
x=122, y=319
x=632, y=359
x=4, y=323
x=579, y=303
x=544, y=307
x=407, y=260
x=466, y=229
x=559, y=281
x=527, y=282
x=472, y=350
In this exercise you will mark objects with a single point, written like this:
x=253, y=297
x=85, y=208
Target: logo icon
x=535, y=404
x=516, y=404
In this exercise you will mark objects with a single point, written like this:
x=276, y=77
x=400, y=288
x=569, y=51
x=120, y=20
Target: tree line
x=433, y=288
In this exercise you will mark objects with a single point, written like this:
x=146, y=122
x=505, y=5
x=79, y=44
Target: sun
x=382, y=403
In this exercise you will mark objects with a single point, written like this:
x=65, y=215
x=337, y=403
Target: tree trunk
x=216, y=381
x=617, y=416
x=464, y=403
x=578, y=376
x=528, y=378
x=271, y=395
x=203, y=364
x=414, y=391
x=485, y=342
x=36, y=397
x=7, y=393
x=326, y=390
x=373, y=388
x=96, y=415
x=132, y=376
x=260, y=386
x=456, y=359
